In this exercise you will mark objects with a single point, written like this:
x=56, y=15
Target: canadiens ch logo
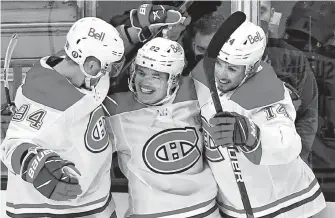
x=212, y=153
x=172, y=150
x=96, y=137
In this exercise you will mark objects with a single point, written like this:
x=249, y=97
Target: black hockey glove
x=232, y=129
x=52, y=176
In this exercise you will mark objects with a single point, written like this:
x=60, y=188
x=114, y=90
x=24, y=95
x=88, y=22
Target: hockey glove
x=52, y=176
x=232, y=129
x=174, y=32
x=148, y=18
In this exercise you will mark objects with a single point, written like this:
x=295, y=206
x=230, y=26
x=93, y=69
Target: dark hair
x=208, y=24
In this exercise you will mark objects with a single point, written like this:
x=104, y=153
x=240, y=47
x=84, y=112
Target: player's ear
x=92, y=66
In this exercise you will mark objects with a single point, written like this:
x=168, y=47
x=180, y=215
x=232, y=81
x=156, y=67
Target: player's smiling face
x=151, y=85
x=228, y=76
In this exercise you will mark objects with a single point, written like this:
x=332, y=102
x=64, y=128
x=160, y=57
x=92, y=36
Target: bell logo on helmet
x=253, y=39
x=176, y=48
x=99, y=36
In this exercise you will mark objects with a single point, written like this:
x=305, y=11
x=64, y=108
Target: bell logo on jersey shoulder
x=96, y=137
x=99, y=36
x=212, y=153
x=253, y=39
x=172, y=151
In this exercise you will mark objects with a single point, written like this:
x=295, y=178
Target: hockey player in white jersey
x=257, y=129
x=156, y=129
x=56, y=148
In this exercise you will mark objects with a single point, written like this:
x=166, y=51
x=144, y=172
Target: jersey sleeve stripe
x=307, y=195
x=208, y=206
x=57, y=207
x=17, y=155
x=254, y=156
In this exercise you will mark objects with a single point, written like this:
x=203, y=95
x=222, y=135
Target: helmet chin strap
x=168, y=97
x=87, y=83
x=87, y=80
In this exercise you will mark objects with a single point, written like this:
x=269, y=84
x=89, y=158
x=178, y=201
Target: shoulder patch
x=260, y=90
x=48, y=87
x=121, y=102
x=186, y=90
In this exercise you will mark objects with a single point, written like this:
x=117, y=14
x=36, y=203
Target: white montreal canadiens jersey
x=160, y=152
x=279, y=184
x=70, y=121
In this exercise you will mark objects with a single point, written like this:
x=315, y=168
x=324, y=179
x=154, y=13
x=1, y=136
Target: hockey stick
x=214, y=47
x=182, y=9
x=9, y=105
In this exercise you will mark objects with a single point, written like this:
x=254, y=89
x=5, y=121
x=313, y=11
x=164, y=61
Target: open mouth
x=147, y=90
x=223, y=81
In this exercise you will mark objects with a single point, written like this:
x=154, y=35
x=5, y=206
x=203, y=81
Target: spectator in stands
x=292, y=67
x=198, y=36
x=310, y=28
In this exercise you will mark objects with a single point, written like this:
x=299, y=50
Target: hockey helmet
x=93, y=37
x=162, y=55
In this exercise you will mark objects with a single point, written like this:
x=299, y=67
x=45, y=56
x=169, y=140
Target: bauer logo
x=94, y=34
x=172, y=151
x=256, y=38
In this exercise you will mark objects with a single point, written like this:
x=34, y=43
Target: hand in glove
x=232, y=129
x=52, y=176
x=148, y=18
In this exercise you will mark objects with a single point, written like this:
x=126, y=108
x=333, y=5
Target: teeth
x=223, y=81
x=147, y=91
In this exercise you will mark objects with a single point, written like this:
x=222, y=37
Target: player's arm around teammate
x=156, y=130
x=56, y=147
